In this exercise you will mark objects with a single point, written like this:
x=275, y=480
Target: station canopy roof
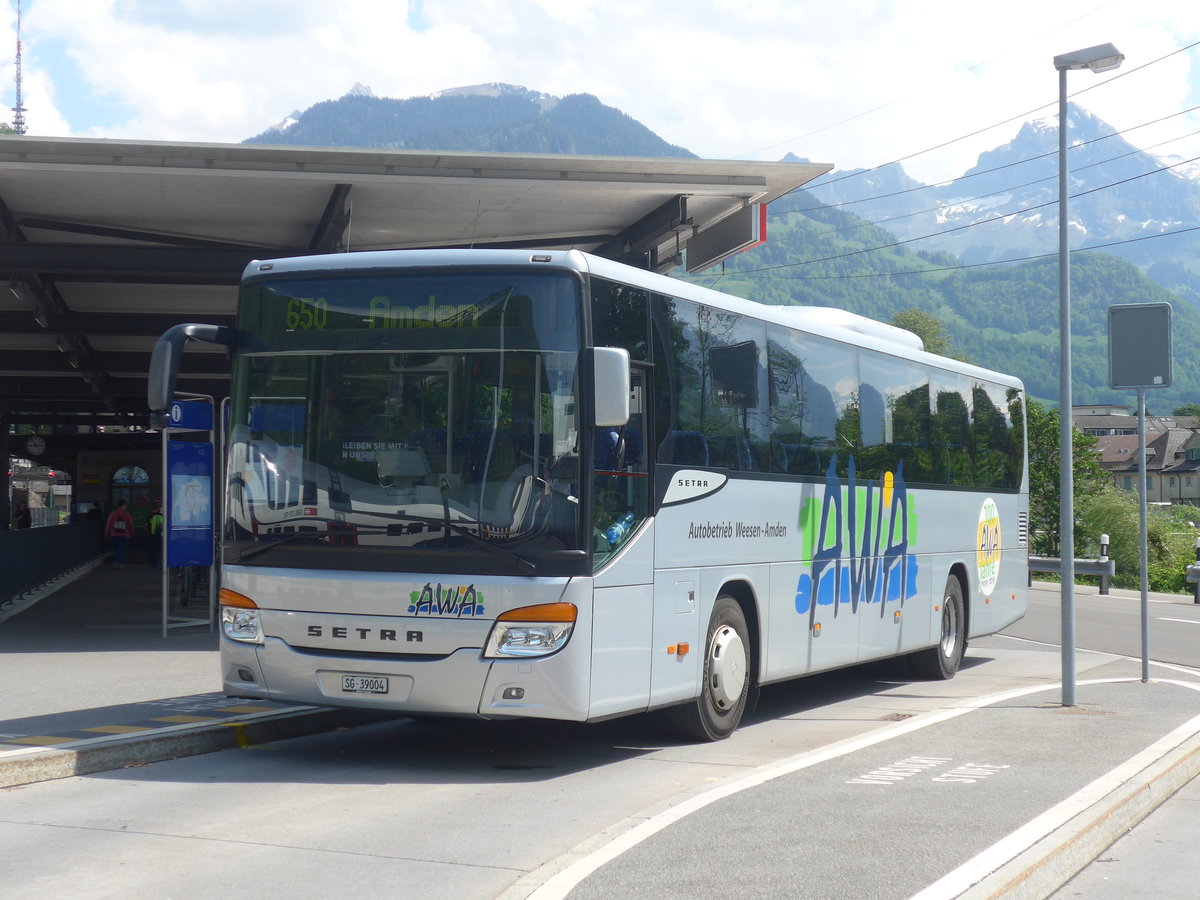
x=106, y=244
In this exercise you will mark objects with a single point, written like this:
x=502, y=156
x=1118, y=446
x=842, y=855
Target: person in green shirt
x=155, y=523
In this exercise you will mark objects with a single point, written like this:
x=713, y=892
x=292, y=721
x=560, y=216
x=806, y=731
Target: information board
x=189, y=519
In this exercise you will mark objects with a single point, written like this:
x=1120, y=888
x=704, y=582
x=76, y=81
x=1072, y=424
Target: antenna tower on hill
x=18, y=122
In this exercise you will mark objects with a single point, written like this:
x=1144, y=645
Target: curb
x=1053, y=861
x=124, y=751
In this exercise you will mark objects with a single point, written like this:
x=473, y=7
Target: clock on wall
x=35, y=445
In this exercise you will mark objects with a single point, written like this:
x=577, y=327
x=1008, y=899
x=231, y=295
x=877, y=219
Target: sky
x=856, y=83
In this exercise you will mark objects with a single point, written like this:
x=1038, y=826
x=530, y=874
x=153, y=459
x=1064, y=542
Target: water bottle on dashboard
x=617, y=530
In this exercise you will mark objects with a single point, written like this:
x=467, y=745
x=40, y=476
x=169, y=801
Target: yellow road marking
x=116, y=729
x=239, y=732
x=41, y=739
x=242, y=709
x=183, y=720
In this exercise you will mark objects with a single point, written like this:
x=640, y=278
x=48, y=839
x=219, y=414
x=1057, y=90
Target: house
x=1103, y=421
x=1172, y=463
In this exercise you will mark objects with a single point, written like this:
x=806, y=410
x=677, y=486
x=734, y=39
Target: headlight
x=531, y=631
x=239, y=618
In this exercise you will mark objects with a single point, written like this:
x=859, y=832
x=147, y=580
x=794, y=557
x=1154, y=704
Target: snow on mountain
x=499, y=89
x=1006, y=206
x=1184, y=168
x=287, y=122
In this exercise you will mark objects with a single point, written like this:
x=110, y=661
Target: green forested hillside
x=1001, y=317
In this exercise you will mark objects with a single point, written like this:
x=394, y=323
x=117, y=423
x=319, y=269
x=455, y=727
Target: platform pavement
x=89, y=684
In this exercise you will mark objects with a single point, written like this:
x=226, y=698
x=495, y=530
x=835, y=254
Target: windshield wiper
x=525, y=565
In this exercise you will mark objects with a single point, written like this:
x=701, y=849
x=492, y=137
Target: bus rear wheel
x=715, y=714
x=941, y=663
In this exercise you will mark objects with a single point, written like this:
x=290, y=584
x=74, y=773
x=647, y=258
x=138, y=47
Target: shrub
x=1170, y=539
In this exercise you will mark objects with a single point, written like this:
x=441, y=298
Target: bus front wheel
x=940, y=663
x=718, y=710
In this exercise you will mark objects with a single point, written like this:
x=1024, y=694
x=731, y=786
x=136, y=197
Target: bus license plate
x=364, y=684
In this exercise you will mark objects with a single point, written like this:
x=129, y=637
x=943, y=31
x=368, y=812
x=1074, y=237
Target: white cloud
x=856, y=83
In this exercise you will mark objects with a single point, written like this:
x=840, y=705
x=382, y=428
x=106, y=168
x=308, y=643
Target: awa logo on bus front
x=459, y=602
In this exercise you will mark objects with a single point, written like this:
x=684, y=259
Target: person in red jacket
x=118, y=530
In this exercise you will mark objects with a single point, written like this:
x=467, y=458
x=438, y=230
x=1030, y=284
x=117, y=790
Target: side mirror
x=164, y=363
x=610, y=379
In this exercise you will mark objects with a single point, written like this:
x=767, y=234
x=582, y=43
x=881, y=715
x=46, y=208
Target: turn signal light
x=226, y=597
x=543, y=612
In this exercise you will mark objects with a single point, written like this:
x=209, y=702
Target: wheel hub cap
x=727, y=668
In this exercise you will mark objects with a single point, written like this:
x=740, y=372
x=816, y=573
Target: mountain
x=823, y=249
x=1002, y=317
x=1006, y=206
x=489, y=117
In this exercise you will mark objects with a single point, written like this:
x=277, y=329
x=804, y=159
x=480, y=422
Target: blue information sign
x=189, y=503
x=190, y=415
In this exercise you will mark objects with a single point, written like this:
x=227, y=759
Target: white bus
x=517, y=483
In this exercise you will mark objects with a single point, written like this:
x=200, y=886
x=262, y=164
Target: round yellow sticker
x=987, y=546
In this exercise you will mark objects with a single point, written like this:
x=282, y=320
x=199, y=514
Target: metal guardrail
x=1104, y=567
x=32, y=557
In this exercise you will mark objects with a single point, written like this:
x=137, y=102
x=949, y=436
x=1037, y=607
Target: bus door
x=623, y=553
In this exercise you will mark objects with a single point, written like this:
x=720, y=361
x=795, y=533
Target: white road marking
x=1185, y=621
x=983, y=864
x=1174, y=667
x=563, y=882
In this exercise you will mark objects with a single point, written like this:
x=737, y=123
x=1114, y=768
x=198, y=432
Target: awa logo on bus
x=459, y=602
x=858, y=537
x=987, y=547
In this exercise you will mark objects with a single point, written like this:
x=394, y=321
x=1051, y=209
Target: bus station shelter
x=106, y=244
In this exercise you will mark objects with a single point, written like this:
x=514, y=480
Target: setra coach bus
x=508, y=483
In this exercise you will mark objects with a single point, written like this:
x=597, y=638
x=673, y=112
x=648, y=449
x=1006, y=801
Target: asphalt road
x=443, y=808
x=1112, y=624
x=436, y=808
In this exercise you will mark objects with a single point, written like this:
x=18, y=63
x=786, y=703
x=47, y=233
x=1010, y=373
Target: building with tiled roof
x=1172, y=463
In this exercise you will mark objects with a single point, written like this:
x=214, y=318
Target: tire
x=715, y=714
x=941, y=663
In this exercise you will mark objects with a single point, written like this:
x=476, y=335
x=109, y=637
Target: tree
x=1045, y=467
x=1188, y=409
x=928, y=328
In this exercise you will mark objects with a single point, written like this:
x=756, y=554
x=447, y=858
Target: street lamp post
x=1100, y=58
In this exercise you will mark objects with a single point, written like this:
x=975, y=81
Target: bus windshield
x=426, y=412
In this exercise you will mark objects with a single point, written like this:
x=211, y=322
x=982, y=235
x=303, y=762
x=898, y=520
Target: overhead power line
x=1019, y=162
x=1122, y=74
x=865, y=223
x=994, y=218
x=994, y=262
x=894, y=101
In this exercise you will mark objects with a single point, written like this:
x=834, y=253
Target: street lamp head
x=1101, y=58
